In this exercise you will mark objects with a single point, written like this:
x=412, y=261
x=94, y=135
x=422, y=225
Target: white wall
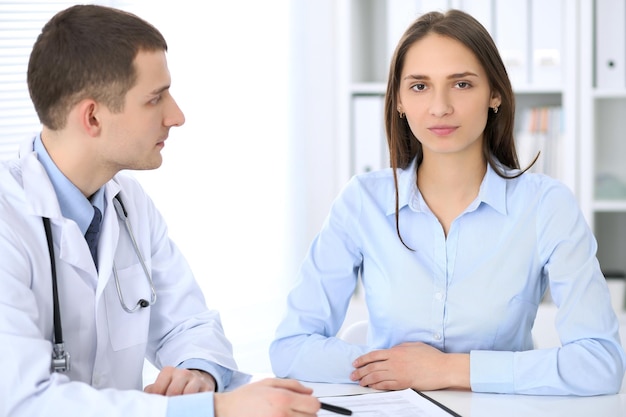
x=312, y=120
x=254, y=160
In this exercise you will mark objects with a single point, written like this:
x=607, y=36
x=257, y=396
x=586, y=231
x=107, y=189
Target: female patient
x=455, y=245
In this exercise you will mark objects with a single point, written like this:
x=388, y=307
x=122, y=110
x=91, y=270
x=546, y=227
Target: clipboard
x=383, y=403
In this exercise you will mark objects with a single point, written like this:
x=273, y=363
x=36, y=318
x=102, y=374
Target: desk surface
x=472, y=404
x=469, y=404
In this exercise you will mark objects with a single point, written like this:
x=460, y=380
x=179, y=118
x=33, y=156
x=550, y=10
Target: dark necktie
x=91, y=235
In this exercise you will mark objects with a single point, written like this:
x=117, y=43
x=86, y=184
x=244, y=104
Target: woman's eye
x=463, y=84
x=418, y=87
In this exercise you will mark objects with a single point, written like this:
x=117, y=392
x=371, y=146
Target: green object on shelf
x=609, y=187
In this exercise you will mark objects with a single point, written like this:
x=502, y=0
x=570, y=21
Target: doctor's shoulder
x=10, y=173
x=11, y=185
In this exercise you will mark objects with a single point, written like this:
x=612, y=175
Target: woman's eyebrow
x=450, y=77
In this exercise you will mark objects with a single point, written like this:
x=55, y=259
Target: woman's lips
x=442, y=130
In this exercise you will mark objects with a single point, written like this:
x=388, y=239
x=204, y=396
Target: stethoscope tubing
x=60, y=358
x=142, y=303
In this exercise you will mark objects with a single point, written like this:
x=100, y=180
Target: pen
x=336, y=409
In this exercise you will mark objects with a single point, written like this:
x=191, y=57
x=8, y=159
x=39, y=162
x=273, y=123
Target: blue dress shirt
x=475, y=291
x=74, y=205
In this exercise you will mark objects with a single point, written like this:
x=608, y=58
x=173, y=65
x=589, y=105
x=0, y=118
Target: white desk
x=469, y=404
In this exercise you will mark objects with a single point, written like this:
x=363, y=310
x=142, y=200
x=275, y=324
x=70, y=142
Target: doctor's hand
x=412, y=365
x=272, y=397
x=177, y=381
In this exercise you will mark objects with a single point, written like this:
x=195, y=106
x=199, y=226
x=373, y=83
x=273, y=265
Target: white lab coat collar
x=39, y=192
x=42, y=202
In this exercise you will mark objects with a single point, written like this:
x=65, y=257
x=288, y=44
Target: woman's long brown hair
x=498, y=143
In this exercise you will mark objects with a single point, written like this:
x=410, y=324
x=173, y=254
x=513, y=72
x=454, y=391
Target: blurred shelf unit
x=602, y=154
x=567, y=63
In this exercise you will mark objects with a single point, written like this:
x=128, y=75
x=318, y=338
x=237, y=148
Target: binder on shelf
x=511, y=36
x=481, y=10
x=546, y=27
x=369, y=145
x=432, y=5
x=610, y=44
x=400, y=14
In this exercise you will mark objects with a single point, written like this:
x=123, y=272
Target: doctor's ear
x=89, y=117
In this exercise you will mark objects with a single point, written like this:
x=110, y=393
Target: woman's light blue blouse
x=475, y=291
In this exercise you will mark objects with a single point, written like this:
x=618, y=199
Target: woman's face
x=445, y=94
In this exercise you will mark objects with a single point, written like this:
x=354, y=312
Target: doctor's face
x=135, y=137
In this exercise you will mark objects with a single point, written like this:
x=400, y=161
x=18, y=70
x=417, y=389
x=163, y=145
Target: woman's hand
x=412, y=365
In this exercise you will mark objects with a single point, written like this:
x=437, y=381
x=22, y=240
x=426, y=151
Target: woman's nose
x=440, y=105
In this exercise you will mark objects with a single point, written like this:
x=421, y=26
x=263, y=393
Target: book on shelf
x=540, y=131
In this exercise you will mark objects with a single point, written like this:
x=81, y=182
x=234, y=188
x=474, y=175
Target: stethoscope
x=60, y=357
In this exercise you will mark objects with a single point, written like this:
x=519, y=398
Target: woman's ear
x=400, y=110
x=496, y=100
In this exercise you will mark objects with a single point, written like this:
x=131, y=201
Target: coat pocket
x=128, y=329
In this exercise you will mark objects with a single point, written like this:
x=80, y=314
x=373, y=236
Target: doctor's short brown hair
x=86, y=51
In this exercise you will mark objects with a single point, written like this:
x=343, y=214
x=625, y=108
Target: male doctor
x=99, y=81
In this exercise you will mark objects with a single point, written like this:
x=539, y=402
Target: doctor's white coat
x=107, y=345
